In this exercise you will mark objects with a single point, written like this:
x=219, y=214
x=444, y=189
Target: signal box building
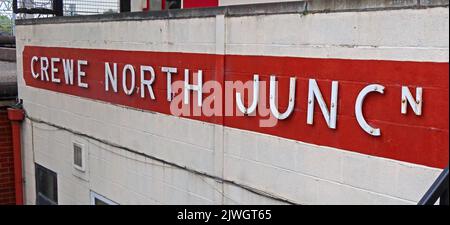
x=305, y=102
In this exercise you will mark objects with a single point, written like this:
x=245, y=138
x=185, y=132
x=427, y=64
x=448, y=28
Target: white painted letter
x=81, y=73
x=169, y=71
x=44, y=69
x=33, y=60
x=54, y=69
x=416, y=105
x=147, y=83
x=198, y=88
x=252, y=107
x=68, y=71
x=314, y=92
x=358, y=108
x=124, y=79
x=111, y=77
x=273, y=106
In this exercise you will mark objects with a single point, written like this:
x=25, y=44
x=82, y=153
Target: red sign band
x=412, y=128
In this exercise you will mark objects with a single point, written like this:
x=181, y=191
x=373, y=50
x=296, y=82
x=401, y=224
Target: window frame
x=39, y=194
x=94, y=195
x=81, y=168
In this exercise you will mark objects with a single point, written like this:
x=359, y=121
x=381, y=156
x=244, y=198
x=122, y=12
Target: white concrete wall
x=137, y=5
x=299, y=172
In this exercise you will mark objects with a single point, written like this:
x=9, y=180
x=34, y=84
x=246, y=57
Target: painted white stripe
x=402, y=35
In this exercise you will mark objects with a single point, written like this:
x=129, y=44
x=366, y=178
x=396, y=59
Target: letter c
x=33, y=60
x=358, y=108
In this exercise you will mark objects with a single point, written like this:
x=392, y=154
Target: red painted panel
x=416, y=139
x=200, y=3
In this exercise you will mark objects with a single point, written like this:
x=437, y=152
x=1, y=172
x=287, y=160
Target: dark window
x=46, y=186
x=125, y=6
x=78, y=155
x=173, y=4
x=100, y=202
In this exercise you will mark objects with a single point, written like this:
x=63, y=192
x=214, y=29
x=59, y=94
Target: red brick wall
x=7, y=195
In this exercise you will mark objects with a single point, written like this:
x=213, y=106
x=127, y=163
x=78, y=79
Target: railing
x=6, y=18
x=39, y=7
x=66, y=7
x=438, y=190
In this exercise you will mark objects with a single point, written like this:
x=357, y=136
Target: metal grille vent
x=78, y=156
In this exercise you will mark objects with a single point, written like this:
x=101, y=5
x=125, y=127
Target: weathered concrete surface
x=8, y=73
x=8, y=54
x=288, y=7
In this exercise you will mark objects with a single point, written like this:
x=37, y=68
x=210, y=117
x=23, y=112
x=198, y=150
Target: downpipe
x=16, y=116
